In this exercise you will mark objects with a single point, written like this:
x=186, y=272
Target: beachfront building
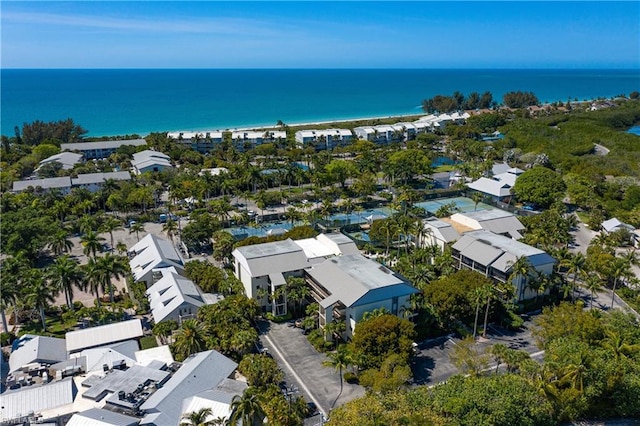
x=263, y=268
x=380, y=135
x=323, y=139
x=495, y=255
x=248, y=139
x=151, y=254
x=150, y=161
x=67, y=160
x=202, y=142
x=99, y=149
x=94, y=182
x=346, y=287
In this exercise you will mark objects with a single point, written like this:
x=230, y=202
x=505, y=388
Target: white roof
x=288, y=255
x=92, y=178
x=153, y=252
x=499, y=251
x=99, y=417
x=491, y=187
x=198, y=373
x=494, y=220
x=499, y=168
x=159, y=353
x=213, y=172
x=149, y=158
x=87, y=146
x=613, y=224
x=103, y=335
x=253, y=134
x=191, y=134
x=218, y=399
x=35, y=399
x=97, y=357
x=172, y=292
x=48, y=183
x=67, y=159
x=441, y=230
x=355, y=280
x=30, y=348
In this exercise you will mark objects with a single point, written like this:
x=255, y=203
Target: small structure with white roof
x=103, y=335
x=150, y=161
x=150, y=253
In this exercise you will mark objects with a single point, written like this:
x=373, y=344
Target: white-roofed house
x=174, y=297
x=151, y=253
x=100, y=417
x=494, y=256
x=494, y=189
x=29, y=349
x=150, y=161
x=200, y=372
x=60, y=184
x=67, y=159
x=437, y=232
x=218, y=399
x=34, y=401
x=103, y=335
x=262, y=268
x=614, y=224
x=93, y=182
x=100, y=149
x=495, y=220
x=346, y=287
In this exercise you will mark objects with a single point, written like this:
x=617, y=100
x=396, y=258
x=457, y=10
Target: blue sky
x=309, y=34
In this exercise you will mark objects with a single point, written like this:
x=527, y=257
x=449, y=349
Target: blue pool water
x=635, y=130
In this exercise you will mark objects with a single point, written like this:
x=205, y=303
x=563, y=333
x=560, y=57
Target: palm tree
x=575, y=265
x=593, y=283
x=489, y=294
x=170, y=227
x=39, y=293
x=197, y=418
x=64, y=275
x=60, y=243
x=92, y=243
x=110, y=225
x=340, y=360
x=189, y=339
x=110, y=267
x=246, y=409
x=520, y=271
x=8, y=295
x=137, y=228
x=94, y=278
x=478, y=296
x=498, y=351
x=619, y=269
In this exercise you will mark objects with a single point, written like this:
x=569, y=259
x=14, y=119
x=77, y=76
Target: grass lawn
x=148, y=342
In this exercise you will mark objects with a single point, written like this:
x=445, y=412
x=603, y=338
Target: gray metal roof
x=29, y=348
x=356, y=280
x=491, y=187
x=48, y=183
x=117, y=380
x=99, y=417
x=86, y=146
x=92, y=178
x=474, y=244
x=218, y=399
x=102, y=335
x=67, y=159
x=441, y=230
x=37, y=398
x=172, y=292
x=266, y=258
x=494, y=220
x=200, y=372
x=123, y=351
x=153, y=252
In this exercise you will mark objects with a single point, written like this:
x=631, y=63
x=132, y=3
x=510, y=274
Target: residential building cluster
x=90, y=181
x=204, y=142
x=99, y=376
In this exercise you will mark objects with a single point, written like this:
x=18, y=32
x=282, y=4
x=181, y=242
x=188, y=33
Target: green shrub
x=350, y=378
x=147, y=342
x=278, y=319
x=6, y=338
x=316, y=338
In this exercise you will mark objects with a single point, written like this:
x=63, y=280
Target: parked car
x=312, y=409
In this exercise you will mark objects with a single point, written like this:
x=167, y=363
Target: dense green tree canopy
x=539, y=185
x=378, y=337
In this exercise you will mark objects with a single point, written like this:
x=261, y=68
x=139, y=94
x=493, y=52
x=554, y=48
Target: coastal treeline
x=55, y=132
x=457, y=101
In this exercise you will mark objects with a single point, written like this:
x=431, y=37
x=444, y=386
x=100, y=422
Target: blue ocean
x=109, y=102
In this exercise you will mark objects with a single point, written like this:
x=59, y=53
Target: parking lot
x=302, y=366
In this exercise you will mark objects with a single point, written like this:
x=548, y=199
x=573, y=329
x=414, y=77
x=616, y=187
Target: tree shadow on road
x=422, y=366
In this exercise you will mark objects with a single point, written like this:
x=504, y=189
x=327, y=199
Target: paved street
x=303, y=368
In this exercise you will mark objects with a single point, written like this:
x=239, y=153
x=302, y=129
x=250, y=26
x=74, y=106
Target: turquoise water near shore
x=110, y=102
